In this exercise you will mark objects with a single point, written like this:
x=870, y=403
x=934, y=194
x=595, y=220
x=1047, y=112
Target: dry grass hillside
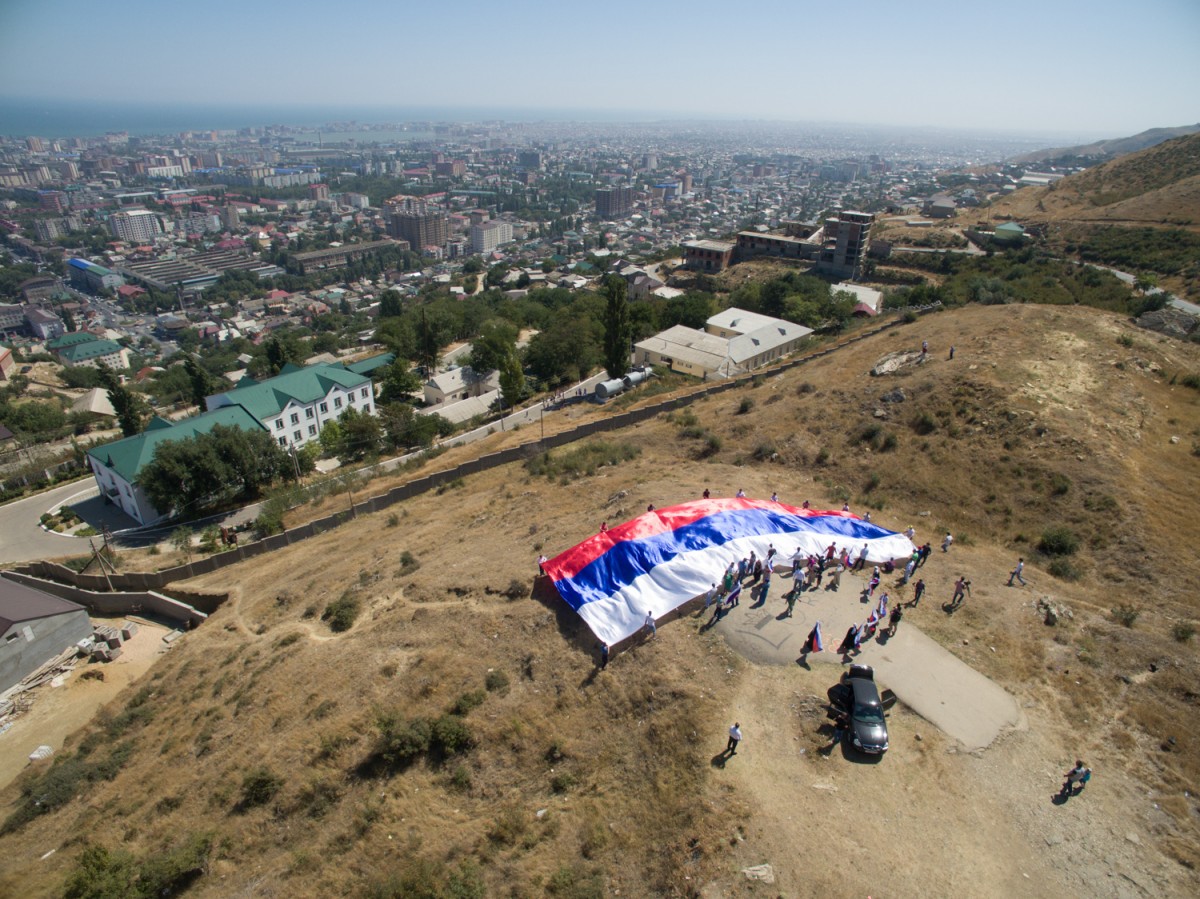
x=458, y=740
x=1156, y=186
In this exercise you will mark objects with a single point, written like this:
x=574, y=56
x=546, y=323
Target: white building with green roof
x=93, y=353
x=298, y=402
x=116, y=465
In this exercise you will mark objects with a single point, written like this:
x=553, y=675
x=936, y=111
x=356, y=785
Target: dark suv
x=868, y=728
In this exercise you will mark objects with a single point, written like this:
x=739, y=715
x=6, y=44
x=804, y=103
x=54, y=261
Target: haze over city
x=1063, y=70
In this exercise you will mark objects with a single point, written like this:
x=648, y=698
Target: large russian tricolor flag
x=660, y=560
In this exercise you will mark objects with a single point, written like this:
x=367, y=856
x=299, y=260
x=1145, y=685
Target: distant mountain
x=1106, y=149
x=1156, y=186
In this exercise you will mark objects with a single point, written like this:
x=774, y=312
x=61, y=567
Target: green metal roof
x=127, y=457
x=73, y=339
x=372, y=363
x=93, y=349
x=305, y=385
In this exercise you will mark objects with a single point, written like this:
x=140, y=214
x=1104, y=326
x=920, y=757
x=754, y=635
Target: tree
x=181, y=539
x=361, y=434
x=129, y=406
x=512, y=379
x=429, y=344
x=496, y=339
x=202, y=384
x=331, y=438
x=618, y=332
x=399, y=383
x=391, y=304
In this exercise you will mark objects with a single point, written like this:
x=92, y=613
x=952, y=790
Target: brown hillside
x=1157, y=186
x=586, y=783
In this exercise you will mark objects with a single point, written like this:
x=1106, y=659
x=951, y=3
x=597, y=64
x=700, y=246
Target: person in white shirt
x=946, y=541
x=1016, y=573
x=735, y=737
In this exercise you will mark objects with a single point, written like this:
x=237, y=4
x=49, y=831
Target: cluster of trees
x=796, y=297
x=197, y=472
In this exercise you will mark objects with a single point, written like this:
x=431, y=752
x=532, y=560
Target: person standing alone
x=735, y=737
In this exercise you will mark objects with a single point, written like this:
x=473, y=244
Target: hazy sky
x=1101, y=67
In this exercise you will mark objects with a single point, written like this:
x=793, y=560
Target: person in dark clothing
x=603, y=656
x=918, y=592
x=894, y=620
x=847, y=644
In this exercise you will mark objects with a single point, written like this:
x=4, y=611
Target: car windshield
x=872, y=713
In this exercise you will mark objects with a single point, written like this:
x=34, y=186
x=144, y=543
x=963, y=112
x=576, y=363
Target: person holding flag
x=812, y=643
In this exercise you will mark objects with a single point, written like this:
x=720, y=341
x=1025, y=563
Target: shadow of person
x=864, y=597
x=803, y=662
x=719, y=760
x=949, y=608
x=1060, y=798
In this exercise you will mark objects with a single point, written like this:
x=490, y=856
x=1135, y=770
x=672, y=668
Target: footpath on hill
x=962, y=703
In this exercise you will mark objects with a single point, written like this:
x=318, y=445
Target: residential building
x=783, y=246
x=318, y=192
x=116, y=465
x=707, y=255
x=459, y=384
x=298, y=402
x=417, y=221
x=12, y=318
x=135, y=225
x=92, y=353
x=614, y=202
x=7, y=363
x=846, y=241
x=34, y=628
x=486, y=236
x=44, y=325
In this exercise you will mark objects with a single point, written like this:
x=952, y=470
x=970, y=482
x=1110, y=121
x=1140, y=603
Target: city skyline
x=1053, y=73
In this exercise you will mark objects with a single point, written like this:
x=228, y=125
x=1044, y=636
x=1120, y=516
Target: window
x=337, y=402
x=297, y=436
x=279, y=424
x=324, y=407
x=283, y=441
x=363, y=393
x=312, y=430
x=308, y=413
x=295, y=418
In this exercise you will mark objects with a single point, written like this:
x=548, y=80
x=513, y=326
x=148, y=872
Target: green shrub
x=1191, y=380
x=924, y=423
x=1183, y=631
x=400, y=741
x=712, y=446
x=259, y=787
x=468, y=701
x=1058, y=541
x=765, y=451
x=1064, y=570
x=1126, y=614
x=342, y=613
x=427, y=878
x=1060, y=484
x=562, y=782
x=745, y=406
x=496, y=681
x=103, y=874
x=873, y=482
x=451, y=735
x=460, y=779
x=408, y=563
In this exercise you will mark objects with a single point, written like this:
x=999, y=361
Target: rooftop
x=301, y=385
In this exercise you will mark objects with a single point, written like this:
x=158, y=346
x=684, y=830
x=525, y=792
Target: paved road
x=21, y=537
x=934, y=683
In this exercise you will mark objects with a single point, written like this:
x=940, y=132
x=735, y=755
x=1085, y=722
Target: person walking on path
x=734, y=597
x=947, y=541
x=1016, y=573
x=709, y=597
x=735, y=737
x=836, y=580
x=1077, y=777
x=791, y=601
x=812, y=643
x=894, y=620
x=650, y=626
x=918, y=592
x=961, y=586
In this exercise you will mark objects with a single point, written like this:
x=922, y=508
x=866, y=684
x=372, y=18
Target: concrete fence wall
x=156, y=580
x=147, y=602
